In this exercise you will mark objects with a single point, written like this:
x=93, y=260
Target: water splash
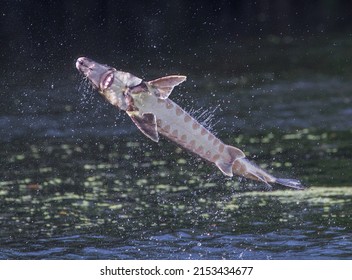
x=86, y=90
x=206, y=116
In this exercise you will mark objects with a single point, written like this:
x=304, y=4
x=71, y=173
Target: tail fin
x=292, y=183
x=245, y=168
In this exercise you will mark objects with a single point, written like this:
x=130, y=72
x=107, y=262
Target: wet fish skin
x=149, y=107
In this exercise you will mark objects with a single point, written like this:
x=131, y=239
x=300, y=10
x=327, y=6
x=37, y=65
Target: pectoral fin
x=146, y=123
x=164, y=86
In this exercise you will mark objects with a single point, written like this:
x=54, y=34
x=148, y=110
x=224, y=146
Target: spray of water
x=205, y=116
x=86, y=90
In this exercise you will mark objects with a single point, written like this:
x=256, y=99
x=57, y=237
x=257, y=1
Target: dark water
x=79, y=182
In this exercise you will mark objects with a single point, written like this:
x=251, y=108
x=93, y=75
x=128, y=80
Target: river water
x=78, y=181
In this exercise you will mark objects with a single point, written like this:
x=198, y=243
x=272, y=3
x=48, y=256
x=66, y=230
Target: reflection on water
x=78, y=181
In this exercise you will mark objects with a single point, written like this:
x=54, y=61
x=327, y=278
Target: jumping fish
x=149, y=107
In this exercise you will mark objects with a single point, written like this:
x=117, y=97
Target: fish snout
x=83, y=64
x=96, y=73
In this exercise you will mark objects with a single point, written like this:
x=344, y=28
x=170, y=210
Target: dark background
x=41, y=33
x=211, y=42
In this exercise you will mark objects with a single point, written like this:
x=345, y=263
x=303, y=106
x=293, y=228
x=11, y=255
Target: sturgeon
x=147, y=103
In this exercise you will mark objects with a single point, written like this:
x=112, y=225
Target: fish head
x=115, y=86
x=99, y=75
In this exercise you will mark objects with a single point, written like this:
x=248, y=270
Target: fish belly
x=177, y=125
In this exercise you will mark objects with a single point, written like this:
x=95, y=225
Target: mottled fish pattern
x=149, y=107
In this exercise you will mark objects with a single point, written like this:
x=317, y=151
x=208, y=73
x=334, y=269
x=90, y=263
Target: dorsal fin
x=165, y=85
x=146, y=123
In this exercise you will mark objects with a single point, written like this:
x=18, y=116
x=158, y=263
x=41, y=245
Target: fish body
x=148, y=105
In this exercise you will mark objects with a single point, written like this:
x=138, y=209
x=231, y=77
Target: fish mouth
x=99, y=75
x=107, y=79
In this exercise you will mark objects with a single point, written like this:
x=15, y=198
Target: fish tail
x=292, y=183
x=245, y=168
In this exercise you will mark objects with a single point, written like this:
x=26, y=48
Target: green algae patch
x=107, y=187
